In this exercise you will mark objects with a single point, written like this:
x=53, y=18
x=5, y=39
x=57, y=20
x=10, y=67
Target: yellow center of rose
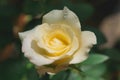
x=55, y=40
x=58, y=40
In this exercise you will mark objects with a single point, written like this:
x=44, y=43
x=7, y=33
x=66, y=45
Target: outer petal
x=88, y=40
x=63, y=16
x=34, y=57
x=23, y=35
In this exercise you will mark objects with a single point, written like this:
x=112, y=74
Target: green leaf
x=75, y=76
x=93, y=78
x=61, y=75
x=94, y=59
x=94, y=71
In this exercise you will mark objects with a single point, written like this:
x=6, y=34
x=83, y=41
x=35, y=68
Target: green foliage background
x=17, y=67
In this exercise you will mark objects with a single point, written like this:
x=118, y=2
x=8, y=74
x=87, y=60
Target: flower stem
x=68, y=74
x=76, y=68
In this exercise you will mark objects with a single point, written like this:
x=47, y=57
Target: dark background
x=21, y=15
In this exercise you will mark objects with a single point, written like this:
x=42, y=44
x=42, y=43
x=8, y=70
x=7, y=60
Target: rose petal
x=75, y=45
x=63, y=16
x=34, y=57
x=88, y=40
x=42, y=30
x=23, y=35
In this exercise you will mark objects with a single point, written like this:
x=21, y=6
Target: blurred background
x=99, y=16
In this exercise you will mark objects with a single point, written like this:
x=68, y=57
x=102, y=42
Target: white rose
x=57, y=42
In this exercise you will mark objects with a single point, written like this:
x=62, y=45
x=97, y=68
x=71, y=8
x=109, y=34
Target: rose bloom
x=57, y=42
